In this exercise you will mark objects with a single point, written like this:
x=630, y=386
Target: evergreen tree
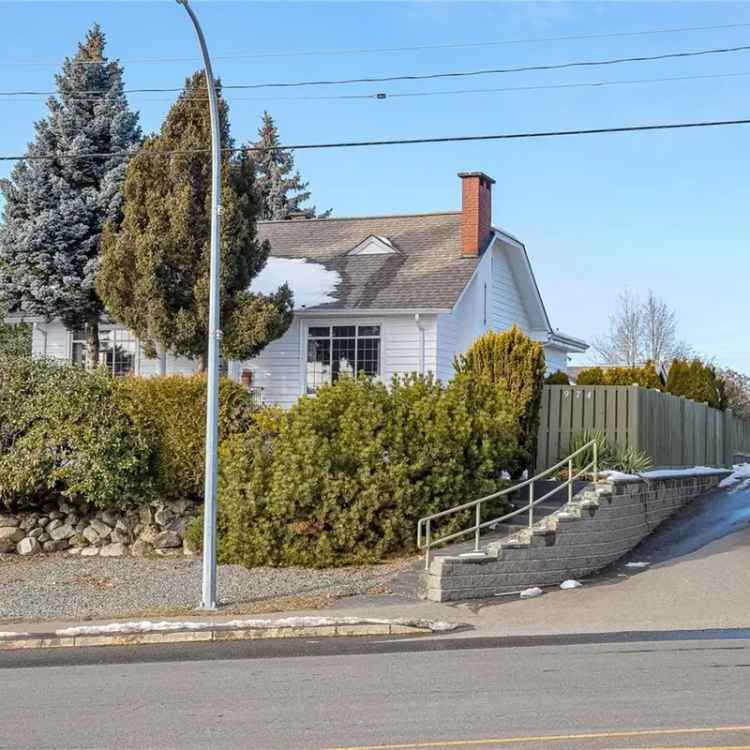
x=280, y=186
x=697, y=381
x=55, y=208
x=154, y=274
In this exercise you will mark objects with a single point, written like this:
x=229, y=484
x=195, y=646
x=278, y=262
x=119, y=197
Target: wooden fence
x=674, y=431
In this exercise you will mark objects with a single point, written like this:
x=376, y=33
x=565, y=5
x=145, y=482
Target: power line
x=424, y=76
x=382, y=95
x=417, y=48
x=399, y=141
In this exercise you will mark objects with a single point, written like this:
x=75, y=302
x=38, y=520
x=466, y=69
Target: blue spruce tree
x=55, y=207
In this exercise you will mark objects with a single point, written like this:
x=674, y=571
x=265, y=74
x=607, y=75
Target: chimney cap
x=480, y=175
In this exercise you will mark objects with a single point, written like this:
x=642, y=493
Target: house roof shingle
x=427, y=270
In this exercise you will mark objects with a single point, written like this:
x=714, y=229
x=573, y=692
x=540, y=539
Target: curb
x=157, y=633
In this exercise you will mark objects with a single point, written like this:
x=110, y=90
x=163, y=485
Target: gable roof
x=427, y=273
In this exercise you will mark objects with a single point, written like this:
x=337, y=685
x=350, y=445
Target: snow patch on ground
x=637, y=565
x=148, y=626
x=311, y=283
x=570, y=584
x=534, y=591
x=619, y=476
x=740, y=475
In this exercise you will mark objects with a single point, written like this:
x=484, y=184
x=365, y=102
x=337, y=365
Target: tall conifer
x=55, y=208
x=280, y=186
x=154, y=273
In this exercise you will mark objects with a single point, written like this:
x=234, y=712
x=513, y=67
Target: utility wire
x=425, y=76
x=417, y=48
x=382, y=95
x=395, y=142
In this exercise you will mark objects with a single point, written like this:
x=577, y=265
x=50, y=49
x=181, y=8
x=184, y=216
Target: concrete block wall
x=600, y=525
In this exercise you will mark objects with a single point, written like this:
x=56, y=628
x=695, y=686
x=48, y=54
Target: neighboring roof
x=426, y=272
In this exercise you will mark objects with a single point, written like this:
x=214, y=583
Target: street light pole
x=208, y=597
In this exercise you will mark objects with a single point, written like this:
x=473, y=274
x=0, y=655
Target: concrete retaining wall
x=600, y=525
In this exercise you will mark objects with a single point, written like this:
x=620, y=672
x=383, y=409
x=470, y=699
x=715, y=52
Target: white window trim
x=306, y=324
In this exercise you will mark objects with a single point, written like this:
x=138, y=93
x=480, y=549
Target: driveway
x=698, y=577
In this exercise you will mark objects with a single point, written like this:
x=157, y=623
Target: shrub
x=591, y=376
x=584, y=458
x=171, y=411
x=629, y=460
x=62, y=436
x=513, y=361
x=343, y=477
x=558, y=377
x=15, y=340
x=697, y=381
x=646, y=376
x=609, y=457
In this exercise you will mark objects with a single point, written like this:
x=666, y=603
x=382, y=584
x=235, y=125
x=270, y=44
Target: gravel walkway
x=62, y=587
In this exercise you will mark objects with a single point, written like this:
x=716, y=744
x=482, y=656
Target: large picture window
x=117, y=348
x=341, y=350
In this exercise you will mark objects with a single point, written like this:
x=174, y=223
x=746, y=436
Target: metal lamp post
x=208, y=597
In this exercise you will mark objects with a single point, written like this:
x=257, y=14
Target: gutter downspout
x=422, y=329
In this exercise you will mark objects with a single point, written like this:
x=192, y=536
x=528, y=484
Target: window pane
x=369, y=330
x=123, y=352
x=343, y=357
x=318, y=363
x=368, y=356
x=344, y=331
x=319, y=331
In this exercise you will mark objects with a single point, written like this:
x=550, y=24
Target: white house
x=379, y=294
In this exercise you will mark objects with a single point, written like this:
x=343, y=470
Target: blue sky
x=663, y=211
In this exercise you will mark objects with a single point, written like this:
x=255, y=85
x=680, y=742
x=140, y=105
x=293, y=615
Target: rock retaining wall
x=600, y=525
x=157, y=528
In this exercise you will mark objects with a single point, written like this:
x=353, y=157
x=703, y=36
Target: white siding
x=58, y=346
x=280, y=367
x=507, y=306
x=556, y=359
x=51, y=340
x=474, y=313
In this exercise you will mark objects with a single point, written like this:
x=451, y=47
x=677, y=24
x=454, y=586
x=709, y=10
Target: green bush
x=62, y=436
x=171, y=412
x=558, y=377
x=516, y=363
x=646, y=376
x=609, y=457
x=15, y=340
x=590, y=376
x=697, y=381
x=343, y=477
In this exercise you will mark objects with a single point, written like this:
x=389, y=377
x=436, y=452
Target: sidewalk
x=695, y=581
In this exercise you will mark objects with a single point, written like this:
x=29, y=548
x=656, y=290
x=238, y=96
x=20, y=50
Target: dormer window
x=374, y=245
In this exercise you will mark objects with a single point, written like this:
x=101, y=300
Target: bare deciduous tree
x=624, y=343
x=641, y=330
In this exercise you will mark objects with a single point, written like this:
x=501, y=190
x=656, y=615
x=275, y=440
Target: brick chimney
x=476, y=207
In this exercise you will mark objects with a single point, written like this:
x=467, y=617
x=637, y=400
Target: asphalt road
x=611, y=692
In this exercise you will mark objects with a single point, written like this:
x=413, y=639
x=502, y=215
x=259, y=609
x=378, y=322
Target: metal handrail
x=426, y=522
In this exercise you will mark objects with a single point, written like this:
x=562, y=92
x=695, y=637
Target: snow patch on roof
x=311, y=283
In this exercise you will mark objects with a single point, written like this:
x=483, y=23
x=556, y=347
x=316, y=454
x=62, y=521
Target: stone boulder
x=116, y=549
x=62, y=532
x=168, y=540
x=28, y=546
